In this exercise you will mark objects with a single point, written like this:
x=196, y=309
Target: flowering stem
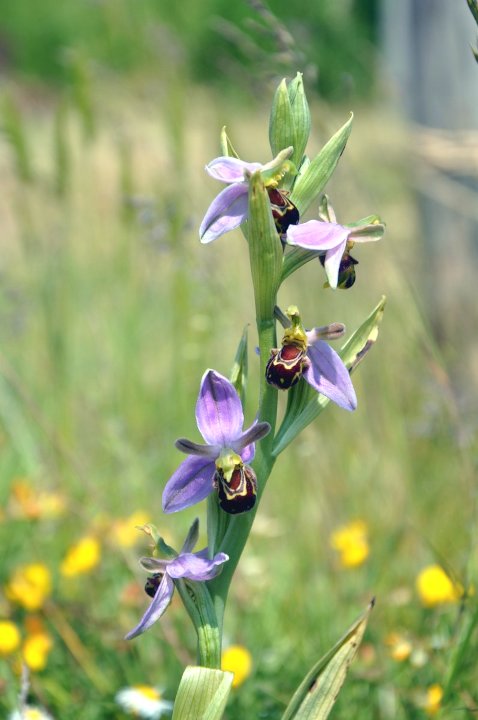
x=198, y=603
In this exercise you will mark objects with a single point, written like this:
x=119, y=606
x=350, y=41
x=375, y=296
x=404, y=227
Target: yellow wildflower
x=351, y=542
x=30, y=502
x=36, y=649
x=400, y=647
x=29, y=586
x=9, y=637
x=434, y=587
x=81, y=557
x=433, y=699
x=125, y=530
x=238, y=660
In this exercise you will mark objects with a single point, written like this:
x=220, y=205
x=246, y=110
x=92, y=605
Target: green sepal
x=161, y=547
x=311, y=183
x=352, y=353
x=239, y=370
x=265, y=250
x=227, y=148
x=289, y=122
x=202, y=694
x=317, y=693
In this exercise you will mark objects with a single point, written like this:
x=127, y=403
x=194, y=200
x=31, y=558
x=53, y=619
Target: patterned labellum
x=152, y=584
x=346, y=276
x=238, y=494
x=286, y=365
x=284, y=211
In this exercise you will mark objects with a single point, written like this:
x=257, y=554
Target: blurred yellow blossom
x=35, y=650
x=351, y=542
x=433, y=699
x=238, y=660
x=125, y=530
x=400, y=647
x=81, y=557
x=29, y=586
x=434, y=587
x=9, y=637
x=30, y=502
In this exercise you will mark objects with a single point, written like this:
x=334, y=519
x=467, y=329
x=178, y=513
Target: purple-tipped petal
x=159, y=604
x=227, y=211
x=191, y=483
x=328, y=375
x=230, y=169
x=195, y=566
x=219, y=413
x=316, y=235
x=191, y=448
x=256, y=432
x=332, y=264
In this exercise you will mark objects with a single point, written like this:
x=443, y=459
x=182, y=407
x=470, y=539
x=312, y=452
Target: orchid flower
x=229, y=209
x=221, y=463
x=305, y=354
x=188, y=565
x=335, y=240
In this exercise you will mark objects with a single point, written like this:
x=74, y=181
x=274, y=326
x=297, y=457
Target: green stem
x=199, y=604
x=240, y=525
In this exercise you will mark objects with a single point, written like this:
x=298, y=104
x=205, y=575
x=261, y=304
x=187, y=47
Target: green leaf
x=317, y=693
x=352, y=354
x=239, y=370
x=265, y=250
x=202, y=694
x=318, y=173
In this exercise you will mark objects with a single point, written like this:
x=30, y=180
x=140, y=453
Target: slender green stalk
x=198, y=603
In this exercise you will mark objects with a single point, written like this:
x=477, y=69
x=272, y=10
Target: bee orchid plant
x=231, y=468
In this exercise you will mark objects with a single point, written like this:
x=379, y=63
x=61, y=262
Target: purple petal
x=230, y=169
x=226, y=212
x=191, y=483
x=332, y=264
x=191, y=448
x=256, y=432
x=316, y=235
x=153, y=564
x=159, y=604
x=196, y=566
x=219, y=413
x=328, y=375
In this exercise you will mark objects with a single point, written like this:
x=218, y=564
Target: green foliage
x=221, y=42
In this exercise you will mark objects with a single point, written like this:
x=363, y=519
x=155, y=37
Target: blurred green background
x=110, y=311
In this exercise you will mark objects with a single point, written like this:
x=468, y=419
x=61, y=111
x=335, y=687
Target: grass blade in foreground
x=316, y=695
x=202, y=694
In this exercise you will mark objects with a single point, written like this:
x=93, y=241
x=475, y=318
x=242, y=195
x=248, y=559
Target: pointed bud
x=289, y=122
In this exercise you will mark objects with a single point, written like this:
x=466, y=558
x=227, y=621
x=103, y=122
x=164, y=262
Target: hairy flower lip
x=220, y=420
x=196, y=566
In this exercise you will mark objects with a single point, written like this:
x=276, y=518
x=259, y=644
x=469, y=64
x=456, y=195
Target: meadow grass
x=111, y=310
